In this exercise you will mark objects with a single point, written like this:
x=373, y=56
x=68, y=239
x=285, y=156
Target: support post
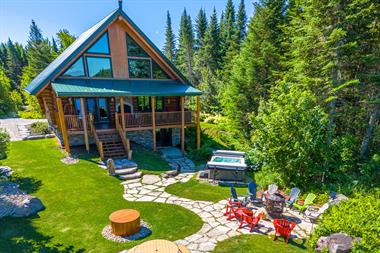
x=84, y=123
x=198, y=122
x=183, y=125
x=63, y=126
x=153, y=105
x=122, y=113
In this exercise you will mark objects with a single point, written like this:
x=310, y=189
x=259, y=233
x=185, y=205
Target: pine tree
x=3, y=56
x=200, y=28
x=228, y=27
x=241, y=22
x=14, y=64
x=65, y=39
x=169, y=48
x=186, y=47
x=254, y=70
x=54, y=46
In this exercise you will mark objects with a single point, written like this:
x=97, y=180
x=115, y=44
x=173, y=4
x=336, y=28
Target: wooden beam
x=63, y=126
x=84, y=122
x=198, y=122
x=183, y=125
x=153, y=101
x=122, y=113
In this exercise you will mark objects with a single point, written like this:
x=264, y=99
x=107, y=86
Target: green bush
x=4, y=143
x=40, y=128
x=358, y=217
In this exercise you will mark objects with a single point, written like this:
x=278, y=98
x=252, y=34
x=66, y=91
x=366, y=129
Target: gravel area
x=144, y=232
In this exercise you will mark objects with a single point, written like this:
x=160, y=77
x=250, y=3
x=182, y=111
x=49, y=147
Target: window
x=157, y=72
x=160, y=104
x=99, y=67
x=134, y=49
x=139, y=68
x=144, y=104
x=75, y=70
x=78, y=108
x=101, y=46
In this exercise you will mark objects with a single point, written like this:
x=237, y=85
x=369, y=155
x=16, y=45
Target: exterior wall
x=144, y=138
x=176, y=136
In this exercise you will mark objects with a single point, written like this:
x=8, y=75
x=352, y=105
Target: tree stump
x=125, y=222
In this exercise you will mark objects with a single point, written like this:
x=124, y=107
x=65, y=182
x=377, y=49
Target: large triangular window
x=76, y=69
x=101, y=46
x=134, y=49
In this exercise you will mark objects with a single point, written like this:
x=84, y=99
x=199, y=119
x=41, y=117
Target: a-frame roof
x=80, y=43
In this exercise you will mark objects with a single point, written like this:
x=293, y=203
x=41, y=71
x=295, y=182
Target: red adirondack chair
x=251, y=220
x=283, y=228
x=231, y=209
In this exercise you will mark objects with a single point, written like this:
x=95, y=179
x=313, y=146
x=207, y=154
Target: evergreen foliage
x=4, y=143
x=200, y=28
x=169, y=48
x=241, y=24
x=65, y=39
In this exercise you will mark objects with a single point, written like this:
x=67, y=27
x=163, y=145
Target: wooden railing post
x=153, y=101
x=84, y=122
x=63, y=125
x=122, y=113
x=183, y=125
x=198, y=122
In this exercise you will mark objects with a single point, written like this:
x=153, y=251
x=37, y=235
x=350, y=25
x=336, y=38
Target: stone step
x=125, y=171
x=131, y=176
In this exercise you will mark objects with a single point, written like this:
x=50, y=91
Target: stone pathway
x=174, y=155
x=216, y=227
x=16, y=127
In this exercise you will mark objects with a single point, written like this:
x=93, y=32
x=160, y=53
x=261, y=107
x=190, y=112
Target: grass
x=197, y=190
x=260, y=243
x=78, y=200
x=149, y=162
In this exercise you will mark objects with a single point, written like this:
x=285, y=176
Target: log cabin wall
x=47, y=97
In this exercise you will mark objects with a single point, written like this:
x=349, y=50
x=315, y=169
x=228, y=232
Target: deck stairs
x=112, y=145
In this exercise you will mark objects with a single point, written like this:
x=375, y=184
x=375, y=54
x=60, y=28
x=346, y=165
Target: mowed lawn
x=196, y=190
x=78, y=200
x=260, y=244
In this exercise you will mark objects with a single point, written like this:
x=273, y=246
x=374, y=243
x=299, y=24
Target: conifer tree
x=241, y=23
x=200, y=28
x=54, y=46
x=186, y=47
x=14, y=64
x=169, y=47
x=65, y=39
x=228, y=27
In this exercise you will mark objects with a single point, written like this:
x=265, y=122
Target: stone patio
x=215, y=228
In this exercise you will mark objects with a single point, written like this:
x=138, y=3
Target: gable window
x=101, y=46
x=76, y=69
x=140, y=65
x=99, y=67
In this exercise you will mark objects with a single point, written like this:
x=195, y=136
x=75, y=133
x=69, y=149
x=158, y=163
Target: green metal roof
x=111, y=88
x=81, y=42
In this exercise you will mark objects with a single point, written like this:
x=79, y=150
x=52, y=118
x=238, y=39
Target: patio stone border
x=216, y=227
x=143, y=232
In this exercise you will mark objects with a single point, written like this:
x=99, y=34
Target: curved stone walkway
x=216, y=227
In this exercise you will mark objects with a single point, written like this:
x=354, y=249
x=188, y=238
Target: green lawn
x=78, y=200
x=149, y=162
x=260, y=244
x=196, y=190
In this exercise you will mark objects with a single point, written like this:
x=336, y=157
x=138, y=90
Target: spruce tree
x=65, y=39
x=186, y=47
x=200, y=28
x=54, y=46
x=14, y=64
x=228, y=27
x=169, y=47
x=241, y=23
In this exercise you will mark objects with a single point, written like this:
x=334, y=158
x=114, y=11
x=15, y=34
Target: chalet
x=113, y=86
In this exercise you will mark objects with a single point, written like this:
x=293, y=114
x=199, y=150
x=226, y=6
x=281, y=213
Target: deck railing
x=74, y=122
x=98, y=143
x=135, y=120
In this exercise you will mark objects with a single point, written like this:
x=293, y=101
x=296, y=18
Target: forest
x=297, y=86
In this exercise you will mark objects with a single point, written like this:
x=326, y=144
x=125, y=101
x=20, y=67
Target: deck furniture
x=312, y=213
x=250, y=220
x=283, y=228
x=237, y=198
x=125, y=222
x=272, y=189
x=274, y=205
x=231, y=208
x=294, y=193
x=183, y=249
x=157, y=246
x=252, y=194
x=308, y=201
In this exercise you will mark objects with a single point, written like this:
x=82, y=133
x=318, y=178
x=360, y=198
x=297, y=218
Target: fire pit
x=274, y=205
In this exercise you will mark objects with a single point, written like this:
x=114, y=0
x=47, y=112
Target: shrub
x=358, y=217
x=40, y=128
x=4, y=143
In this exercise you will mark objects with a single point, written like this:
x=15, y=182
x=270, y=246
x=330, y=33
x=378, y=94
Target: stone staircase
x=124, y=169
x=174, y=155
x=112, y=145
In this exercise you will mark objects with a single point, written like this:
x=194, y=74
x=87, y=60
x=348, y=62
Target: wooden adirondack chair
x=294, y=192
x=283, y=228
x=308, y=201
x=231, y=207
x=252, y=221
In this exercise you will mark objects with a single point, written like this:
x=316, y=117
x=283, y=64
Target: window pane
x=134, y=49
x=99, y=67
x=103, y=109
x=100, y=46
x=158, y=72
x=76, y=70
x=143, y=104
x=78, y=109
x=139, y=68
x=160, y=104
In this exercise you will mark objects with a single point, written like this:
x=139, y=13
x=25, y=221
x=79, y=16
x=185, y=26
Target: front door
x=99, y=108
x=164, y=137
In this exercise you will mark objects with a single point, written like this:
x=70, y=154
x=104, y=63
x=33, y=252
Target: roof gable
x=62, y=61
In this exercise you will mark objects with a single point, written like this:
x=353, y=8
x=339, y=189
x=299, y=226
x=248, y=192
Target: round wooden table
x=125, y=222
x=157, y=246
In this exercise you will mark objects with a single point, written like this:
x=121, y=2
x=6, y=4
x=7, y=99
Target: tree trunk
x=364, y=149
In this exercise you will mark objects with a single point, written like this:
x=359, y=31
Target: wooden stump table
x=125, y=222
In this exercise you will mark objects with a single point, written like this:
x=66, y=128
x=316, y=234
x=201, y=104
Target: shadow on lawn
x=27, y=184
x=19, y=235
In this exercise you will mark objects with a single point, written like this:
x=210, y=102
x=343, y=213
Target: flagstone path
x=216, y=227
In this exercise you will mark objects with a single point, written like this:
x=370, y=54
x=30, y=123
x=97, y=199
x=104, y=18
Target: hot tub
x=227, y=165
